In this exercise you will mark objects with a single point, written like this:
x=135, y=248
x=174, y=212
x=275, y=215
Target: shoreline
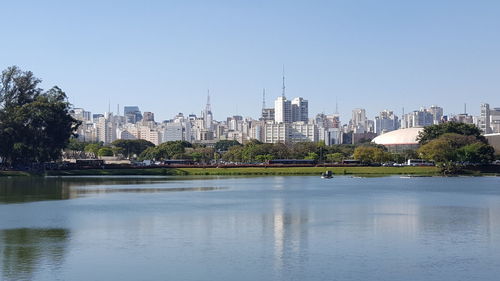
x=162, y=171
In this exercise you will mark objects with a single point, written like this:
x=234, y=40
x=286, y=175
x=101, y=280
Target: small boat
x=327, y=175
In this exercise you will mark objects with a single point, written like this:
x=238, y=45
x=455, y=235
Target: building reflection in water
x=24, y=251
x=289, y=221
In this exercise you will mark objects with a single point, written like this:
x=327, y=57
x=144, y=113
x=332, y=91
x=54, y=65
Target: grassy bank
x=256, y=171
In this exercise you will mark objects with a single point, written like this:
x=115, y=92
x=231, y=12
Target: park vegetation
x=35, y=125
x=454, y=145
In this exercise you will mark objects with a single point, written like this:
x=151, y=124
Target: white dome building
x=399, y=140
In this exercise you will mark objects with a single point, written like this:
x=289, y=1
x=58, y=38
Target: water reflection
x=145, y=190
x=24, y=251
x=31, y=189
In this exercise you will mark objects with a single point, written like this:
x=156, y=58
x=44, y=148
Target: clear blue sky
x=164, y=55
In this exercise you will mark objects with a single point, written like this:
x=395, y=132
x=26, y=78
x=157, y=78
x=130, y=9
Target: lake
x=250, y=228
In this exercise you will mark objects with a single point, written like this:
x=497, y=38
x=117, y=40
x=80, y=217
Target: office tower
x=386, y=122
x=300, y=111
x=132, y=114
x=358, y=121
x=282, y=110
x=148, y=117
x=437, y=114
x=484, y=118
x=207, y=115
x=495, y=120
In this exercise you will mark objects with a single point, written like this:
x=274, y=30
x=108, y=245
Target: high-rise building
x=437, y=114
x=495, y=120
x=132, y=114
x=333, y=136
x=282, y=110
x=484, y=118
x=358, y=121
x=386, y=122
x=106, y=129
x=148, y=117
x=207, y=115
x=267, y=114
x=300, y=110
x=417, y=119
x=303, y=132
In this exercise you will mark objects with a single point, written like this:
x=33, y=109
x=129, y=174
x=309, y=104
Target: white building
x=290, y=132
x=358, y=121
x=386, y=122
x=276, y=132
x=300, y=110
x=484, y=118
x=302, y=132
x=282, y=110
x=332, y=136
x=106, y=129
x=417, y=119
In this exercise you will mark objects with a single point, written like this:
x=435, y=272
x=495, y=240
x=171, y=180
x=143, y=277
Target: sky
x=164, y=55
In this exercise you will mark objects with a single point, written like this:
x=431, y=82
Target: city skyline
x=164, y=55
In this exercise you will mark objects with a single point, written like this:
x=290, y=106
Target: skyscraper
x=132, y=114
x=358, y=121
x=484, y=118
x=437, y=114
x=282, y=110
x=386, y=121
x=300, y=111
x=207, y=115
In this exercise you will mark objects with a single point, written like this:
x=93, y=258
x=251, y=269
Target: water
x=250, y=228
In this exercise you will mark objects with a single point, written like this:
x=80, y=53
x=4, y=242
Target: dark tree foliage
x=224, y=145
x=34, y=125
x=435, y=131
x=166, y=150
x=129, y=148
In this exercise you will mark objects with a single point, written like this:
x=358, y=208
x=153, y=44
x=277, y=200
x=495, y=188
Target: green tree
x=439, y=150
x=334, y=157
x=131, y=148
x=478, y=153
x=370, y=154
x=451, y=147
x=312, y=156
x=76, y=145
x=224, y=145
x=234, y=154
x=435, y=131
x=93, y=148
x=105, y=151
x=166, y=150
x=35, y=126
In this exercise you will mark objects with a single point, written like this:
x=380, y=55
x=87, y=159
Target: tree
x=76, y=145
x=224, y=145
x=130, y=148
x=477, y=153
x=234, y=154
x=370, y=154
x=454, y=147
x=166, y=150
x=334, y=157
x=312, y=156
x=439, y=150
x=34, y=125
x=93, y=148
x=435, y=131
x=105, y=151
